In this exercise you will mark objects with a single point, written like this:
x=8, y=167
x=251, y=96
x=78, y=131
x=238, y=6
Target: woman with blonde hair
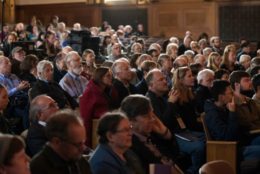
x=185, y=106
x=214, y=61
x=229, y=59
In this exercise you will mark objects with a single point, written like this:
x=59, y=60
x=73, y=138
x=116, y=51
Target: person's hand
x=23, y=85
x=237, y=90
x=231, y=105
x=160, y=128
x=173, y=96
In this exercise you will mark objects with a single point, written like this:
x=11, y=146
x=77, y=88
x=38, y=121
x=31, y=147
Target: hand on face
x=231, y=106
x=159, y=127
x=23, y=85
x=173, y=96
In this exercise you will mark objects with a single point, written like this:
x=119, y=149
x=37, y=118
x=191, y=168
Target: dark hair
x=28, y=63
x=133, y=60
x=109, y=123
x=58, y=124
x=254, y=70
x=219, y=73
x=99, y=74
x=107, y=63
x=195, y=68
x=219, y=87
x=48, y=34
x=135, y=105
x=104, y=40
x=256, y=81
x=9, y=146
x=236, y=76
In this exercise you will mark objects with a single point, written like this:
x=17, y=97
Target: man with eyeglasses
x=17, y=56
x=42, y=108
x=63, y=153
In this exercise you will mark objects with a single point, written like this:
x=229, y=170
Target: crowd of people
x=148, y=99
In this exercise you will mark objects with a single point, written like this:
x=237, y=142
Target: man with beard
x=73, y=82
x=247, y=109
x=66, y=143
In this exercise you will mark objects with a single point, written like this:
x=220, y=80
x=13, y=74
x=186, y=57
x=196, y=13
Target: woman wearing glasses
x=112, y=156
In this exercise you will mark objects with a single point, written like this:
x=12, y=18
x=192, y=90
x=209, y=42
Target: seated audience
x=229, y=59
x=45, y=85
x=215, y=43
x=59, y=67
x=205, y=81
x=163, y=104
x=214, y=61
x=183, y=81
x=28, y=69
x=89, y=65
x=115, y=52
x=41, y=109
x=154, y=51
x=146, y=66
x=166, y=66
x=122, y=76
x=13, y=159
x=222, y=74
x=185, y=45
x=112, y=155
x=17, y=93
x=247, y=110
x=172, y=50
x=72, y=82
x=64, y=150
x=223, y=121
x=7, y=45
x=4, y=125
x=256, y=85
x=244, y=61
x=50, y=45
x=97, y=99
x=152, y=141
x=17, y=56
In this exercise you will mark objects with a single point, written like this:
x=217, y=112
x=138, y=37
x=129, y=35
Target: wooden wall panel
x=165, y=18
x=175, y=19
x=69, y=13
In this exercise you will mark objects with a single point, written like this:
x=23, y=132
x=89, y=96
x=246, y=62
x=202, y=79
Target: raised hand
x=231, y=105
x=173, y=96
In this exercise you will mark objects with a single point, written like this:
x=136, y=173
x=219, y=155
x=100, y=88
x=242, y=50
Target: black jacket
x=48, y=162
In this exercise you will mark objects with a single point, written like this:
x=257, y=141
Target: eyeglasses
x=79, y=145
x=125, y=130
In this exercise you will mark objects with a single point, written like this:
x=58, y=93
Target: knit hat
x=5, y=141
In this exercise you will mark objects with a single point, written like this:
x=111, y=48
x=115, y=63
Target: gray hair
x=204, y=73
x=35, y=108
x=69, y=56
x=42, y=65
x=116, y=67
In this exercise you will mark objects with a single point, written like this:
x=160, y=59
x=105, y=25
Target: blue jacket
x=222, y=124
x=105, y=161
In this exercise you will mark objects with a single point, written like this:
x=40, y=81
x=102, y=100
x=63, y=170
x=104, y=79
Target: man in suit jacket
x=42, y=107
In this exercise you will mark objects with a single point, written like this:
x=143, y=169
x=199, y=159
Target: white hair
x=204, y=73
x=42, y=65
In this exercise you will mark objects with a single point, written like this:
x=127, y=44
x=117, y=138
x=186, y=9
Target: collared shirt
x=10, y=82
x=73, y=84
x=42, y=123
